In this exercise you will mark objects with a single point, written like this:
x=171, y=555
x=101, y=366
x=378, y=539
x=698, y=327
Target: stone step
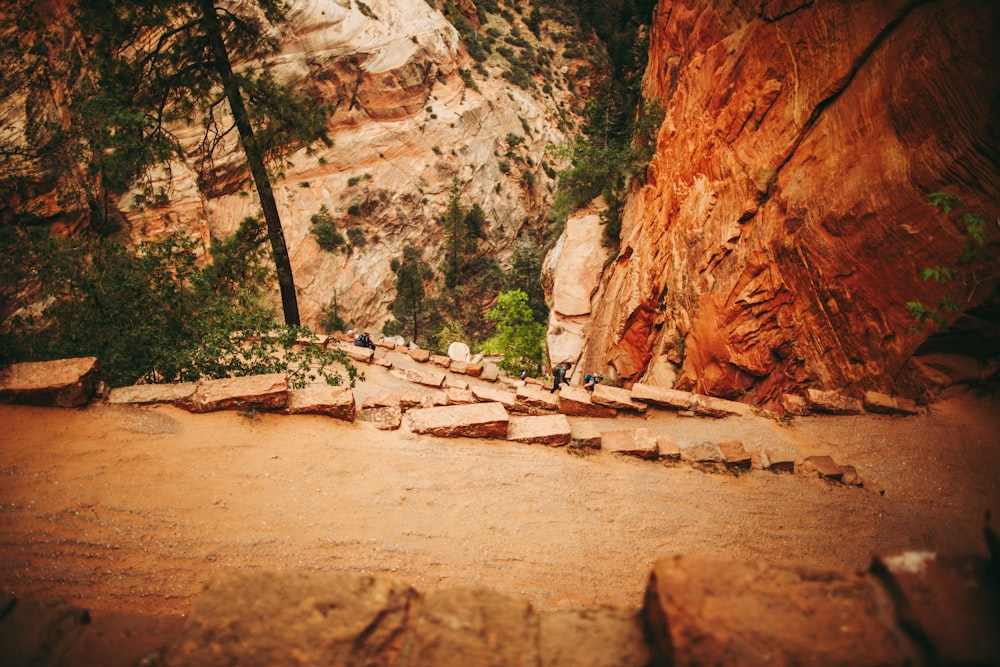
x=256, y=392
x=576, y=402
x=63, y=383
x=322, y=399
x=542, y=429
x=616, y=397
x=477, y=420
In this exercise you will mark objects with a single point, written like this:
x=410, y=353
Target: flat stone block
x=735, y=454
x=441, y=360
x=144, y=394
x=384, y=418
x=363, y=354
x=702, y=452
x=616, y=397
x=478, y=420
x=336, y=402
x=460, y=367
x=662, y=396
x=875, y=401
x=720, y=407
x=778, y=459
x=833, y=403
x=669, y=449
x=542, y=429
x=420, y=355
x=457, y=396
x=490, y=372
x=585, y=435
x=62, y=383
x=259, y=392
x=638, y=442
x=533, y=396
x=575, y=401
x=492, y=394
x=795, y=405
x=825, y=466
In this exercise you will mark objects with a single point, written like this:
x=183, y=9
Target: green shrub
x=325, y=230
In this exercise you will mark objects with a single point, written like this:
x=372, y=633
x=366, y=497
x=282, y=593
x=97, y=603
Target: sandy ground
x=135, y=508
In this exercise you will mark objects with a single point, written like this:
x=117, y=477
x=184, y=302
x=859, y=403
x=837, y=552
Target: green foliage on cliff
x=156, y=312
x=519, y=338
x=966, y=272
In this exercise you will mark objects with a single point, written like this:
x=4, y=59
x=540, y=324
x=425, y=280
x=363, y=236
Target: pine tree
x=162, y=61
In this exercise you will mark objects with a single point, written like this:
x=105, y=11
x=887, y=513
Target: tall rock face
x=784, y=220
x=409, y=118
x=406, y=124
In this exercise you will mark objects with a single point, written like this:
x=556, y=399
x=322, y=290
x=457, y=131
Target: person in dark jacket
x=559, y=375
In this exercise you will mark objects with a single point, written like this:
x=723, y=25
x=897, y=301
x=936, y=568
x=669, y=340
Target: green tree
x=519, y=338
x=157, y=312
x=526, y=275
x=410, y=308
x=160, y=61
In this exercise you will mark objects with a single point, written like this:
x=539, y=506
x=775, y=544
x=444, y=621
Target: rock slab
x=63, y=383
x=478, y=420
x=258, y=392
x=541, y=429
x=703, y=611
x=638, y=442
x=322, y=399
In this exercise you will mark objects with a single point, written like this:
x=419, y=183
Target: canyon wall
x=784, y=220
x=405, y=126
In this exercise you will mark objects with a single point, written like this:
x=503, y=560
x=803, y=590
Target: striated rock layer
x=784, y=219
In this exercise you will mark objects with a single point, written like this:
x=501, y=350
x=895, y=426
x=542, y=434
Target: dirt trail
x=135, y=508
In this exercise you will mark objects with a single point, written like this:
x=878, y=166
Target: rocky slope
x=784, y=219
x=410, y=116
x=406, y=124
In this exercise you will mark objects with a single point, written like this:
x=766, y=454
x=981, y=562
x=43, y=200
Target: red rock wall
x=784, y=219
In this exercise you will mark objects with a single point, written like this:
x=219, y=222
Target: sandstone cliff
x=409, y=117
x=405, y=125
x=784, y=220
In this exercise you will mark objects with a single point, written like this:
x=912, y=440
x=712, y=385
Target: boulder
x=778, y=459
x=704, y=611
x=441, y=360
x=490, y=372
x=542, y=429
x=632, y=442
x=616, y=397
x=323, y=399
x=735, y=455
x=662, y=397
x=824, y=466
x=256, y=392
x=292, y=618
x=575, y=401
x=478, y=420
x=420, y=355
x=460, y=367
x=142, y=394
x=474, y=370
x=592, y=637
x=63, y=383
x=833, y=403
x=466, y=627
x=459, y=352
x=949, y=601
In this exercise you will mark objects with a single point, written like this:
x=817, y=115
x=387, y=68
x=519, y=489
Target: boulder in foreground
x=63, y=383
x=476, y=420
x=703, y=611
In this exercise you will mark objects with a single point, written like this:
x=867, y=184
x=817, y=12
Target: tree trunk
x=255, y=159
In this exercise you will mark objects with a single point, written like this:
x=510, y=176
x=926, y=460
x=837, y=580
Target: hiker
x=363, y=340
x=559, y=375
x=590, y=380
